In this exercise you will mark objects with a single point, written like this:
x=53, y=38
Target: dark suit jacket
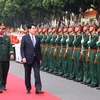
x=28, y=51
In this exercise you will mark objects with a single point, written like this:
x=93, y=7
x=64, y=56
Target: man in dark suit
x=31, y=58
x=6, y=53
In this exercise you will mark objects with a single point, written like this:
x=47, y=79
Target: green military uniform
x=43, y=65
x=77, y=63
x=5, y=51
x=93, y=66
x=62, y=59
x=52, y=57
x=70, y=63
x=47, y=42
x=98, y=63
x=86, y=64
x=57, y=63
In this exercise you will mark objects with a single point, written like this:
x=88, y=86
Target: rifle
x=45, y=52
x=95, y=60
x=60, y=54
x=55, y=50
x=88, y=54
x=82, y=48
x=66, y=54
x=74, y=46
x=51, y=45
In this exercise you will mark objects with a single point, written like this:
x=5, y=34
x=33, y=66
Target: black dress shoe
x=83, y=83
x=39, y=92
x=1, y=91
x=28, y=91
x=70, y=78
x=4, y=88
x=93, y=85
x=98, y=88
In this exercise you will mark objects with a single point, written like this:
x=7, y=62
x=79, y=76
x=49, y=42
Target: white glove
x=61, y=39
x=82, y=40
x=67, y=40
x=88, y=42
x=97, y=42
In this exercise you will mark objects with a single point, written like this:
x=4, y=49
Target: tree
x=16, y=12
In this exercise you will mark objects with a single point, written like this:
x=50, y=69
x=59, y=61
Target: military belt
x=92, y=50
x=70, y=48
x=42, y=45
x=63, y=48
x=85, y=50
x=52, y=46
x=77, y=48
x=58, y=46
x=48, y=46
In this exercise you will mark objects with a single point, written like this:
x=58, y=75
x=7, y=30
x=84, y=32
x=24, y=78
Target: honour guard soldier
x=98, y=58
x=52, y=49
x=62, y=59
x=43, y=45
x=47, y=41
x=77, y=50
x=57, y=51
x=69, y=48
x=93, y=51
x=86, y=63
x=6, y=53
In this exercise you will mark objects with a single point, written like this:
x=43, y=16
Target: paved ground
x=61, y=87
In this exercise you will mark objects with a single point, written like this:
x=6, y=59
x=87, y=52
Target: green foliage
x=24, y=10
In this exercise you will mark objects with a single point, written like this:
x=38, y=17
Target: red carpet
x=16, y=91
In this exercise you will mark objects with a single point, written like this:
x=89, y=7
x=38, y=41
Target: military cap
x=65, y=28
x=87, y=25
x=80, y=28
x=73, y=28
x=94, y=26
x=56, y=28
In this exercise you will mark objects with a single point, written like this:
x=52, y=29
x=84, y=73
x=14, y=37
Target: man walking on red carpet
x=31, y=58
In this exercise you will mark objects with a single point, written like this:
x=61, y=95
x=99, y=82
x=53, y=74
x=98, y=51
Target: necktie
x=33, y=40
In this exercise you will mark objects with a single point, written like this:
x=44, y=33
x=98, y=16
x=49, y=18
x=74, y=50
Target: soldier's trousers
x=4, y=68
x=78, y=67
x=42, y=51
x=98, y=67
x=86, y=66
x=50, y=57
x=93, y=69
x=70, y=64
x=64, y=65
x=57, y=63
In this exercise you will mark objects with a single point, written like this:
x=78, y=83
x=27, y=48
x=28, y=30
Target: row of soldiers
x=72, y=52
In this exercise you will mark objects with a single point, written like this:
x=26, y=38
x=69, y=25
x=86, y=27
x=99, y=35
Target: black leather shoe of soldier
x=4, y=88
x=98, y=88
x=28, y=91
x=39, y=92
x=0, y=90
